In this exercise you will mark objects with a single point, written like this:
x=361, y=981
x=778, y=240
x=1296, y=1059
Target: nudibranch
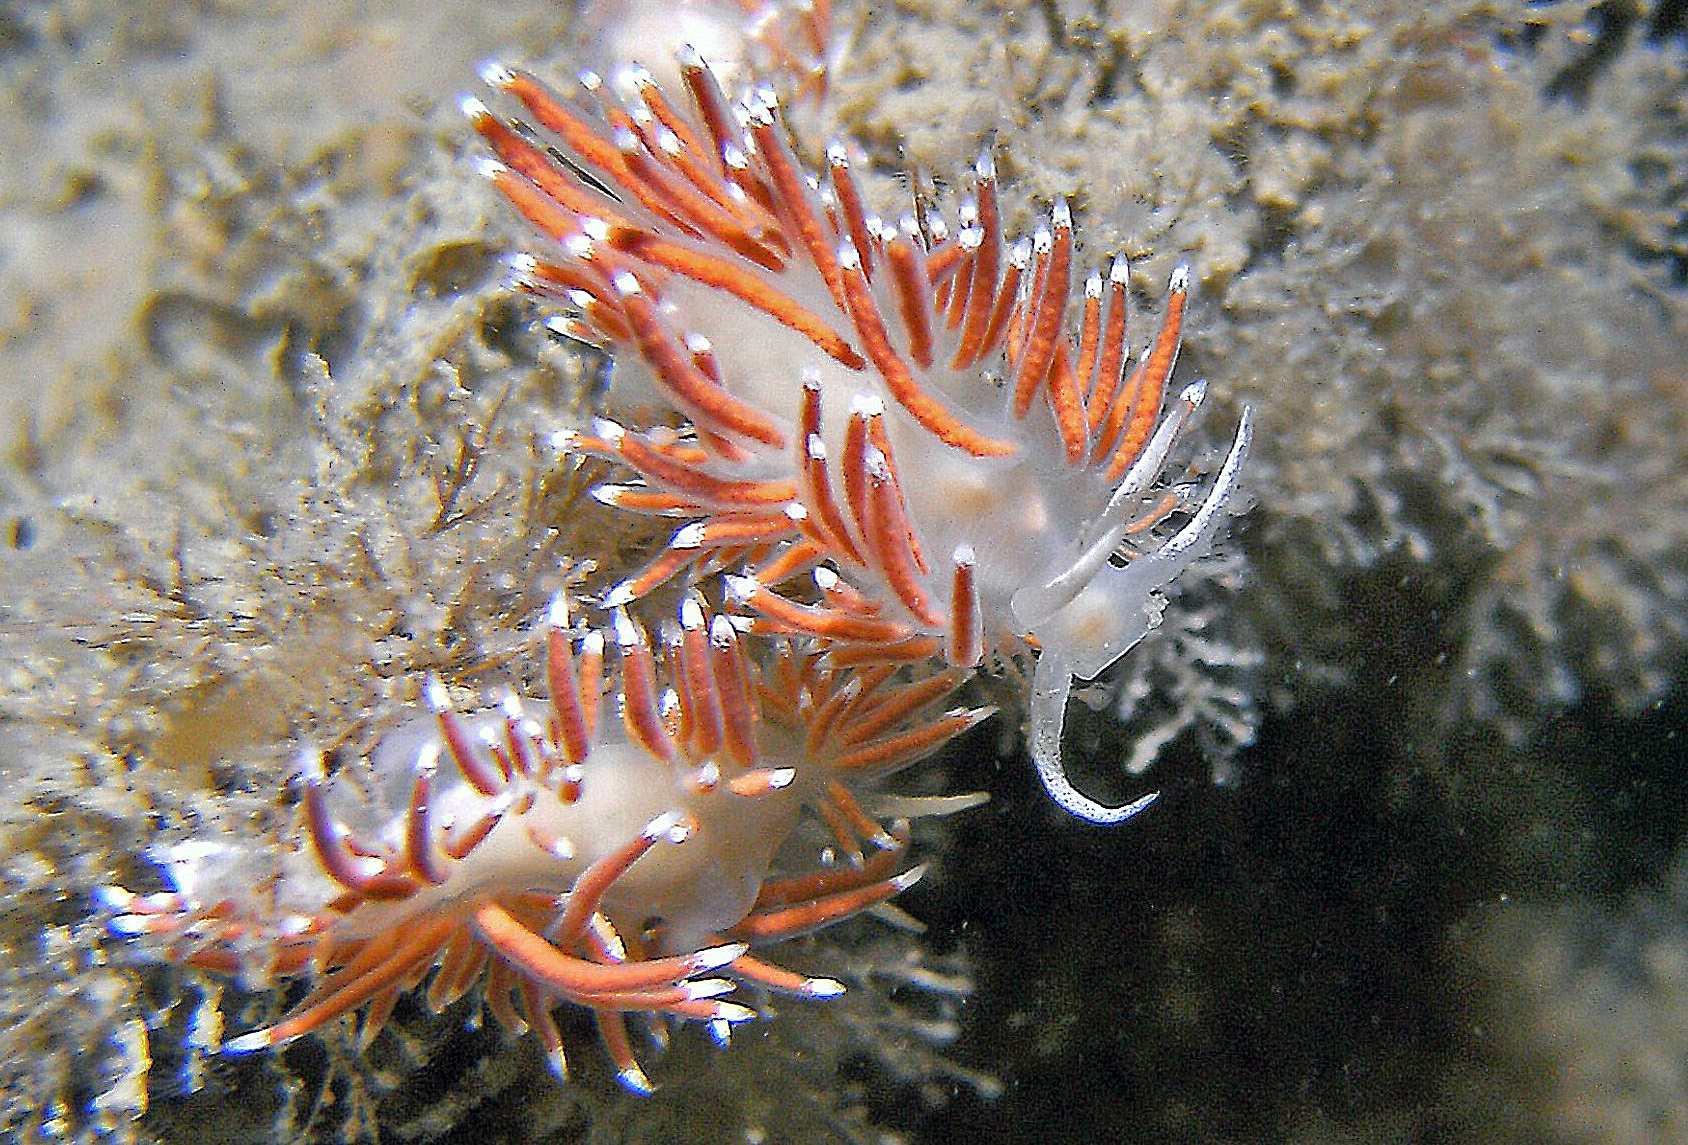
x=624, y=862
x=892, y=444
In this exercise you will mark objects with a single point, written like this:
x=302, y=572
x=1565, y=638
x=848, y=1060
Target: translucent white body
x=699, y=884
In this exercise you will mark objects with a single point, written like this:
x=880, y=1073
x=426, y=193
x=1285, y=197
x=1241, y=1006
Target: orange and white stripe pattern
x=893, y=443
x=532, y=849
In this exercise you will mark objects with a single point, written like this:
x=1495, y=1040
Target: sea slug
x=616, y=849
x=892, y=444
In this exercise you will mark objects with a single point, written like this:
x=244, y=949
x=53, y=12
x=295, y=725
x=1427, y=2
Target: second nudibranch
x=622, y=860
x=895, y=444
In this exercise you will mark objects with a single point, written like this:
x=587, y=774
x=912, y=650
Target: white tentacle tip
x=627, y=633
x=740, y=588
x=113, y=898
x=435, y=695
x=495, y=74
x=1245, y=431
x=130, y=925
x=866, y=406
x=715, y=957
x=248, y=1043
x=677, y=826
x=704, y=989
x=722, y=634
x=618, y=597
x=293, y=925
x=561, y=847
x=733, y=1012
x=908, y=878
x=559, y=1063
x=633, y=1079
x=427, y=762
